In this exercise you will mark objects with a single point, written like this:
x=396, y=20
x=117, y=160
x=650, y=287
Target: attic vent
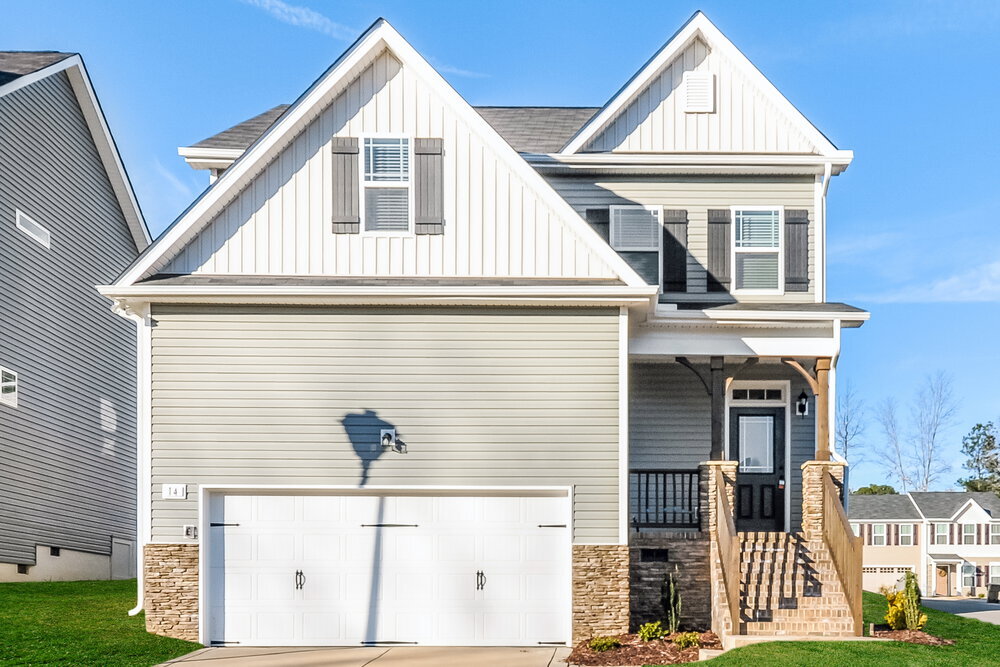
x=699, y=92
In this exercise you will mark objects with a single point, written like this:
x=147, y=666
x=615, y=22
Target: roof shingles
x=15, y=64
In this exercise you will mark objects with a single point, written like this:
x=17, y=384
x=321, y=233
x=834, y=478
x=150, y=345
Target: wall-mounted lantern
x=802, y=404
x=391, y=442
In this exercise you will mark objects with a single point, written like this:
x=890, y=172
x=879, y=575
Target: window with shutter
x=906, y=534
x=699, y=92
x=386, y=174
x=757, y=254
x=878, y=535
x=635, y=228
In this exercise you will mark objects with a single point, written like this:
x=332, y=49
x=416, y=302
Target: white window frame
x=856, y=528
x=966, y=533
x=30, y=227
x=11, y=398
x=995, y=533
x=966, y=567
x=946, y=535
x=364, y=185
x=656, y=210
x=994, y=573
x=876, y=535
x=908, y=536
x=733, y=251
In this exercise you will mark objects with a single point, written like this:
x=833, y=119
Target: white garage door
x=347, y=570
x=873, y=578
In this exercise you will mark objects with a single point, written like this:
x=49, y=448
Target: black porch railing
x=664, y=498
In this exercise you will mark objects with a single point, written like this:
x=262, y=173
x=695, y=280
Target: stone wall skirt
x=687, y=556
x=171, y=590
x=600, y=590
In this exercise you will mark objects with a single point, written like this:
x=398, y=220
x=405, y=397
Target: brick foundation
x=170, y=588
x=689, y=554
x=600, y=590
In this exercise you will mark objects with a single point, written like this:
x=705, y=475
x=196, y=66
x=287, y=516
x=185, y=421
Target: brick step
x=779, y=614
x=800, y=630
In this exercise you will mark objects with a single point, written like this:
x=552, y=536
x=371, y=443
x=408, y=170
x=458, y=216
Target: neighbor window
x=994, y=573
x=878, y=534
x=757, y=249
x=856, y=527
x=906, y=534
x=968, y=576
x=387, y=185
x=941, y=533
x=995, y=533
x=969, y=533
x=635, y=228
x=8, y=387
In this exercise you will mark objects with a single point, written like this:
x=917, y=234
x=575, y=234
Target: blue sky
x=910, y=86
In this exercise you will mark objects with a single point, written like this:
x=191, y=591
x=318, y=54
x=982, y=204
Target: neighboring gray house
x=68, y=221
x=414, y=371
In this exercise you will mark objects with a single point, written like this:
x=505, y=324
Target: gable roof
x=946, y=504
x=378, y=37
x=697, y=27
x=242, y=135
x=890, y=507
x=22, y=68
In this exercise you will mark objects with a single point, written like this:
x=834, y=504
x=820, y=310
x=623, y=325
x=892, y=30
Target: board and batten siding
x=481, y=397
x=744, y=120
x=67, y=451
x=696, y=195
x=495, y=224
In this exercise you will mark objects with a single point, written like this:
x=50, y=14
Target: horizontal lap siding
x=499, y=397
x=670, y=421
x=696, y=195
x=67, y=476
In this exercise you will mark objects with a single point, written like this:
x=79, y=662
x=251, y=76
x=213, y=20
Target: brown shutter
x=675, y=234
x=600, y=220
x=719, y=242
x=868, y=534
x=796, y=250
x=428, y=186
x=916, y=531
x=894, y=527
x=346, y=193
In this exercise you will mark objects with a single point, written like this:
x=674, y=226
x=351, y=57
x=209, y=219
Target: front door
x=942, y=587
x=757, y=442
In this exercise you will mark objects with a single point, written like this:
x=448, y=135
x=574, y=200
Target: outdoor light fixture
x=802, y=404
x=390, y=441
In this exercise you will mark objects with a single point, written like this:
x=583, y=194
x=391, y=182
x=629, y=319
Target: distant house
x=950, y=539
x=68, y=221
x=424, y=372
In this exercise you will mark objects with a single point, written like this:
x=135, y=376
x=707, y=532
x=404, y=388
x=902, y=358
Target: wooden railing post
x=724, y=557
x=823, y=409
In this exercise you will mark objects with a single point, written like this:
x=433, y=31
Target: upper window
x=8, y=387
x=387, y=184
x=878, y=534
x=906, y=534
x=635, y=228
x=757, y=249
x=995, y=533
x=32, y=228
x=942, y=533
x=969, y=533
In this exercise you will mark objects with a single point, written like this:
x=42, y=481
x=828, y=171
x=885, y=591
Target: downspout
x=821, y=234
x=140, y=315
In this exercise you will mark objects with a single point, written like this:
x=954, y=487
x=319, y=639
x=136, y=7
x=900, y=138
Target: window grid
x=878, y=534
x=757, y=249
x=386, y=184
x=968, y=575
x=941, y=533
x=995, y=533
x=905, y=535
x=969, y=533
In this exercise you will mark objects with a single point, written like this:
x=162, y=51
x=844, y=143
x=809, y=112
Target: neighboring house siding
x=67, y=451
x=696, y=195
x=495, y=223
x=480, y=396
x=744, y=120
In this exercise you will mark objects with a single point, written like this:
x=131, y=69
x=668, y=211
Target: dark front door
x=757, y=442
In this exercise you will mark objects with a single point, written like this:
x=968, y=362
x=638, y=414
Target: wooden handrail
x=845, y=549
x=729, y=549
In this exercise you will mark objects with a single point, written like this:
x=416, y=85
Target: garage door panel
x=274, y=509
x=276, y=546
x=322, y=627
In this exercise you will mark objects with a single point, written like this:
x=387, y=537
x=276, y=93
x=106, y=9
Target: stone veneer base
x=600, y=590
x=170, y=589
x=687, y=557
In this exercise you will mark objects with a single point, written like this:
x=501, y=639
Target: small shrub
x=602, y=644
x=670, y=599
x=900, y=613
x=687, y=639
x=650, y=631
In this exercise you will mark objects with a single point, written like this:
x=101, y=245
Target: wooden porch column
x=718, y=392
x=823, y=409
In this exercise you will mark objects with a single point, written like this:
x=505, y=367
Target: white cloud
x=978, y=284
x=181, y=188
x=457, y=71
x=303, y=17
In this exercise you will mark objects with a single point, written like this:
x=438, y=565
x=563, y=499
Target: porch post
x=823, y=409
x=718, y=391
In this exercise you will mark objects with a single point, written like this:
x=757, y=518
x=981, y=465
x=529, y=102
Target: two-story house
x=949, y=539
x=68, y=221
x=421, y=372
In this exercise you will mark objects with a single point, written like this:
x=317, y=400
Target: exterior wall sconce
x=391, y=442
x=802, y=405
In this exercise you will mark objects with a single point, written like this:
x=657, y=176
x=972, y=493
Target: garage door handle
x=480, y=580
x=300, y=579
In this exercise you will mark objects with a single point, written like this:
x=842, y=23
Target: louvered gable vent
x=635, y=228
x=699, y=92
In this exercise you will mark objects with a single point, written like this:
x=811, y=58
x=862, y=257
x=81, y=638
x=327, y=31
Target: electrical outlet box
x=191, y=532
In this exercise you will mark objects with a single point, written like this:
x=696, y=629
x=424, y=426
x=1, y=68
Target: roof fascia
x=968, y=503
x=702, y=317
x=916, y=507
x=698, y=25
x=380, y=35
x=101, y=134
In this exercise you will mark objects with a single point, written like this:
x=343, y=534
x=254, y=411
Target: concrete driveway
x=968, y=607
x=374, y=656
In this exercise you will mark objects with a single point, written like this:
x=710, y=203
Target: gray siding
x=67, y=452
x=274, y=396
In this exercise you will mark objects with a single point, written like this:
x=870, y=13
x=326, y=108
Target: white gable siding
x=495, y=224
x=744, y=120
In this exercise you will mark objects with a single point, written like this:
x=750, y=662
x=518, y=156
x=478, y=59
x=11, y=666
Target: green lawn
x=78, y=623
x=976, y=643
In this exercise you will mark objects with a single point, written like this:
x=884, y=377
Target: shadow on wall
x=365, y=433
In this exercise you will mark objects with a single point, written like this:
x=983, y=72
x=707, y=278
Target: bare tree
x=933, y=412
x=850, y=423
x=893, y=456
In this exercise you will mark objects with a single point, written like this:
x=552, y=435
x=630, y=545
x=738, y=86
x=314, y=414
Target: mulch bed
x=634, y=651
x=913, y=637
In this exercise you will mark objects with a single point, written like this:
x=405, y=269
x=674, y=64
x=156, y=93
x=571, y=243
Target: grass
x=976, y=643
x=78, y=623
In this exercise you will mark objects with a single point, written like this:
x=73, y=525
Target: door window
x=756, y=443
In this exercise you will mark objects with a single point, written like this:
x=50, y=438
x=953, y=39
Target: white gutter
x=820, y=205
